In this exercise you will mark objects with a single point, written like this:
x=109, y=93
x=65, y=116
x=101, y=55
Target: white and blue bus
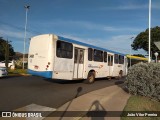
x=56, y=57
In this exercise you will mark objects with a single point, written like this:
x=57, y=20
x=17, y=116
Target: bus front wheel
x=91, y=77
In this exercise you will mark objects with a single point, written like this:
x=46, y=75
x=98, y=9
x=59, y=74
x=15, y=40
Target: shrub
x=19, y=64
x=144, y=79
x=17, y=71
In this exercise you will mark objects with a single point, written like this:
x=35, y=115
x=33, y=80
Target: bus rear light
x=49, y=63
x=47, y=66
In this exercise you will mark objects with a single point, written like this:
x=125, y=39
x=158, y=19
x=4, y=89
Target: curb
x=20, y=75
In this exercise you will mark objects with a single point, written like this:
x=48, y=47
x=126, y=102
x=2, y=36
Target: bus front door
x=78, y=63
x=110, y=65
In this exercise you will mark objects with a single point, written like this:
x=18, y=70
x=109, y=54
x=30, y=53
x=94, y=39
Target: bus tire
x=120, y=74
x=90, y=79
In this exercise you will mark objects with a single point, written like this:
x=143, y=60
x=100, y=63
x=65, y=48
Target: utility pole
x=149, y=42
x=27, y=8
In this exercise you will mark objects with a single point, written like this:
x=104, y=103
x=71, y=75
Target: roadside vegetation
x=141, y=40
x=144, y=79
x=141, y=103
x=143, y=82
x=17, y=71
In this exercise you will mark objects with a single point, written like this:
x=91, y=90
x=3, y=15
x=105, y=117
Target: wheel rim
x=91, y=78
x=121, y=74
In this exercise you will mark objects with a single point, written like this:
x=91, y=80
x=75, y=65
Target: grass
x=17, y=71
x=139, y=103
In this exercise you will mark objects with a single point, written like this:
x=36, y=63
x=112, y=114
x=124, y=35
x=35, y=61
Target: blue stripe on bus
x=87, y=45
x=46, y=74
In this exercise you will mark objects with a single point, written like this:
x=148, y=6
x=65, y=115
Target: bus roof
x=88, y=45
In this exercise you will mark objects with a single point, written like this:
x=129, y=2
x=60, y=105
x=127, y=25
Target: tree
x=6, y=51
x=141, y=41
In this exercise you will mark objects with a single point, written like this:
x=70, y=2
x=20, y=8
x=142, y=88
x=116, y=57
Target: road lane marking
x=34, y=108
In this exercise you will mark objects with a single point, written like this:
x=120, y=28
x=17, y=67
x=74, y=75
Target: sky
x=104, y=23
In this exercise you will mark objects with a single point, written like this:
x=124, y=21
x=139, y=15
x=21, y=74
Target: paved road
x=16, y=92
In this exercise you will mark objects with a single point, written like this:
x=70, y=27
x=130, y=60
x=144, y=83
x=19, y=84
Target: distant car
x=3, y=71
x=11, y=64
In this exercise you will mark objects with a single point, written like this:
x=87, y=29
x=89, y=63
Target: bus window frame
x=105, y=56
x=90, y=55
x=63, y=51
x=98, y=57
x=116, y=58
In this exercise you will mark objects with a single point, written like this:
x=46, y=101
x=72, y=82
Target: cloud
x=119, y=43
x=130, y=5
x=133, y=7
x=81, y=39
x=156, y=5
x=123, y=41
x=6, y=31
x=120, y=29
x=89, y=26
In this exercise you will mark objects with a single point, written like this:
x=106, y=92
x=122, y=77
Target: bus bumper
x=46, y=74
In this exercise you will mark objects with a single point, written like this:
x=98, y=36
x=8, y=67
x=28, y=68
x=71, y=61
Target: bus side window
x=116, y=58
x=90, y=54
x=110, y=60
x=64, y=49
x=76, y=56
x=105, y=56
x=81, y=59
x=98, y=55
x=121, y=59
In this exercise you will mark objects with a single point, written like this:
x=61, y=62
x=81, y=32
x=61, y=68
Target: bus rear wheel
x=91, y=77
x=120, y=74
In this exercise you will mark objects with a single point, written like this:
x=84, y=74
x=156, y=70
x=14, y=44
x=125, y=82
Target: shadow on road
x=63, y=81
x=8, y=77
x=64, y=112
x=122, y=85
x=119, y=82
x=79, y=89
x=60, y=81
x=96, y=111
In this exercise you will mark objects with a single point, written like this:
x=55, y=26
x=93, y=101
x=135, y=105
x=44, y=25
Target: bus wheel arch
x=91, y=77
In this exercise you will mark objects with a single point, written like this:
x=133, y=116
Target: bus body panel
x=63, y=68
x=40, y=61
x=43, y=60
x=100, y=68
